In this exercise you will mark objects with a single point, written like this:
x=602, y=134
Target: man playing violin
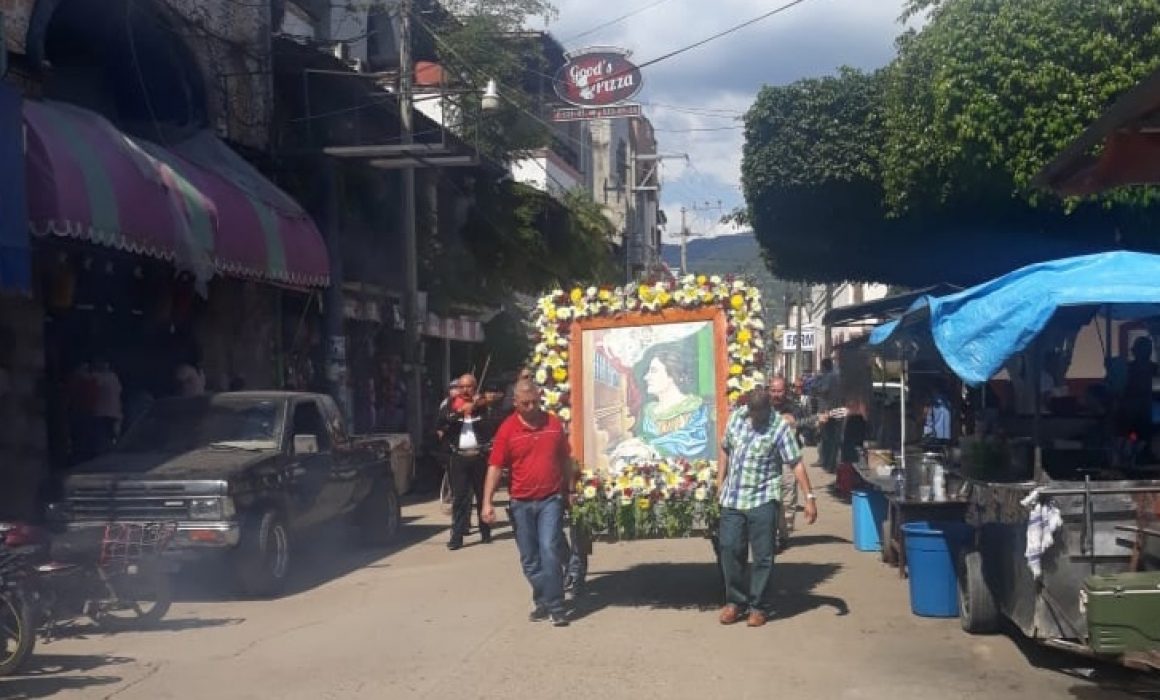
x=466, y=426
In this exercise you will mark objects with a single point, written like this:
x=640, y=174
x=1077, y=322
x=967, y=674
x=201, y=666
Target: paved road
x=422, y=622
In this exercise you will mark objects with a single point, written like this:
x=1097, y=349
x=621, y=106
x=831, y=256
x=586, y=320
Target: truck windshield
x=182, y=425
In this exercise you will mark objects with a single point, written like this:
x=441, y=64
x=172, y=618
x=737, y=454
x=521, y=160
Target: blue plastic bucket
x=868, y=509
x=931, y=552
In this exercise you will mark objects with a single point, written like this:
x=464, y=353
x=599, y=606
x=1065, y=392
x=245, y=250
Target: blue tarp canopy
x=978, y=329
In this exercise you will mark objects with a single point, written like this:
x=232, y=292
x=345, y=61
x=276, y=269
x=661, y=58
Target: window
x=308, y=421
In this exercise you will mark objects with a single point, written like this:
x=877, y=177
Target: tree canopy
x=921, y=172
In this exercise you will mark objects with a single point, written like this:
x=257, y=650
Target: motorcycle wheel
x=145, y=603
x=17, y=632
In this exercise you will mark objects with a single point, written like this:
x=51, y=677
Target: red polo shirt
x=536, y=457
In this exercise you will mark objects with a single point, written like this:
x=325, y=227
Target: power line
x=718, y=35
x=611, y=22
x=709, y=128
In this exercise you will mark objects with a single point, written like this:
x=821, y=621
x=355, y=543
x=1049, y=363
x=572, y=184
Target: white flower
x=564, y=388
x=759, y=377
x=565, y=414
x=689, y=280
x=758, y=324
x=701, y=493
x=589, y=492
x=733, y=383
x=541, y=348
x=541, y=376
x=590, y=292
x=715, y=280
x=564, y=313
x=758, y=342
x=738, y=285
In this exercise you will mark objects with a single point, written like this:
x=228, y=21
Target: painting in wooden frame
x=648, y=387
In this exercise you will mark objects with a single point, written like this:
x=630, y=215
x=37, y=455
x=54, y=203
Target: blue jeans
x=575, y=552
x=539, y=537
x=739, y=531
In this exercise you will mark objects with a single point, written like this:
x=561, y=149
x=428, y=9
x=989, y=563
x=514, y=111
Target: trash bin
x=931, y=552
x=868, y=509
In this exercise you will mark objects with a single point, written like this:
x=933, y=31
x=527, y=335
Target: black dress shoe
x=485, y=535
x=454, y=545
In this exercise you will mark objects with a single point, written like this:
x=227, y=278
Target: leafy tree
x=991, y=90
x=810, y=172
x=922, y=172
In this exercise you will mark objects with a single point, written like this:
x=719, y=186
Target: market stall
x=1062, y=489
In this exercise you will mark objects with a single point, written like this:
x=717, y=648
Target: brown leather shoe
x=730, y=614
x=756, y=619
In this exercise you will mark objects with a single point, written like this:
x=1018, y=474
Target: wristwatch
x=810, y=496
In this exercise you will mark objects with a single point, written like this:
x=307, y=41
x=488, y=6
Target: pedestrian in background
x=757, y=443
x=462, y=421
x=533, y=446
x=826, y=390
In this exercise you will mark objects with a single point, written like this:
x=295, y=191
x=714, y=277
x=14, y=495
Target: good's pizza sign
x=598, y=79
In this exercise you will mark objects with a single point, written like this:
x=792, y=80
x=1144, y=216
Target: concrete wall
x=230, y=40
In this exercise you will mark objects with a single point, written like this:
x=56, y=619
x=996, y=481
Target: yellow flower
x=577, y=295
x=643, y=503
x=559, y=374
x=589, y=492
x=604, y=295
x=744, y=336
x=737, y=302
x=638, y=482
x=646, y=294
x=702, y=280
x=623, y=482
x=664, y=298
x=733, y=396
x=736, y=370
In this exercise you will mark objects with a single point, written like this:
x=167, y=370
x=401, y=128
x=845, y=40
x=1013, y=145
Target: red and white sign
x=598, y=79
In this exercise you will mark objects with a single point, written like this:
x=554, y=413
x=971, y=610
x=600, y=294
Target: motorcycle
x=122, y=584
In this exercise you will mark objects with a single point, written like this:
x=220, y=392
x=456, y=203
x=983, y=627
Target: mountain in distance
x=739, y=255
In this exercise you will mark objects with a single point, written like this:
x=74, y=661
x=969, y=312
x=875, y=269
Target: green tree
x=989, y=91
x=810, y=173
x=922, y=172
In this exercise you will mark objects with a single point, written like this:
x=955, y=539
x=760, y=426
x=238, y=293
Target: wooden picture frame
x=581, y=376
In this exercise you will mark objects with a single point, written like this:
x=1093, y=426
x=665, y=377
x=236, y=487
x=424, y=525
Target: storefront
x=146, y=261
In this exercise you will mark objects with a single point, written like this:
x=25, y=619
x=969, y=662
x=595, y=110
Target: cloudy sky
x=709, y=87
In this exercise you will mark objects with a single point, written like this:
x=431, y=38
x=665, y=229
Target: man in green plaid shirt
x=757, y=444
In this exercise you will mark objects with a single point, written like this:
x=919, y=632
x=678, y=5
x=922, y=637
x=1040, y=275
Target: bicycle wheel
x=445, y=499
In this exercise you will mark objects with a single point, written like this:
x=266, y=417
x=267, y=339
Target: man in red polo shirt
x=532, y=444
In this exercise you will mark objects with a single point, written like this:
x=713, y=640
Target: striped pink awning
x=198, y=203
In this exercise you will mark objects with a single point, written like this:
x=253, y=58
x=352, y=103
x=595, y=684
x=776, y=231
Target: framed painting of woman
x=648, y=387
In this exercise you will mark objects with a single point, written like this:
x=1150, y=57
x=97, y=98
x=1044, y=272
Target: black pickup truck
x=247, y=473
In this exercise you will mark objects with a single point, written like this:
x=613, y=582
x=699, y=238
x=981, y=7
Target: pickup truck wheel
x=263, y=556
x=379, y=515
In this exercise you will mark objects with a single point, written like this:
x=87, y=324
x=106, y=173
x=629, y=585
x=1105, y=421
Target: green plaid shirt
x=756, y=460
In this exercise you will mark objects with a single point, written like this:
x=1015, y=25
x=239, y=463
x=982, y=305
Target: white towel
x=1042, y=523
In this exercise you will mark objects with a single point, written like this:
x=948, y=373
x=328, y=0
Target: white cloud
x=722, y=78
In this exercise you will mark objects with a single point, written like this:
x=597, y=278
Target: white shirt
x=467, y=438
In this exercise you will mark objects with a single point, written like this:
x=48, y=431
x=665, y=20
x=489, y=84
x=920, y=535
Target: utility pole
x=684, y=243
x=411, y=337
x=685, y=230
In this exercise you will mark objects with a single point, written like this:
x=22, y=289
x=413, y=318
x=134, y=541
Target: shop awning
x=465, y=330
x=978, y=329
x=15, y=264
x=197, y=203
x=1127, y=138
